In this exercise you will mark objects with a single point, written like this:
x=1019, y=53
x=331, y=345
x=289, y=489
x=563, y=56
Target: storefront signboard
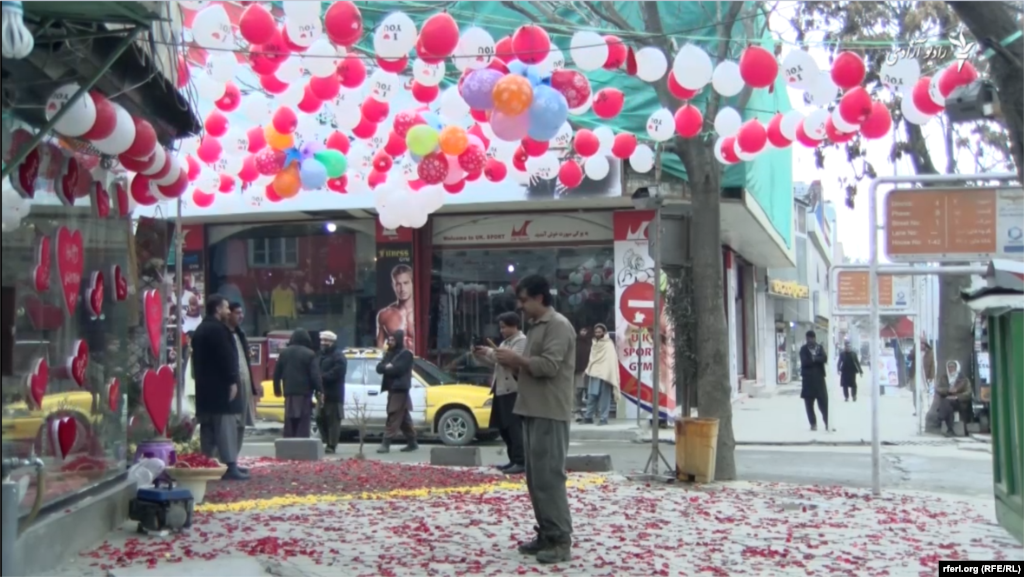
x=508, y=229
x=788, y=289
x=396, y=305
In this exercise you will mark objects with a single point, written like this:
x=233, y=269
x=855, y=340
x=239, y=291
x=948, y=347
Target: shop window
x=274, y=252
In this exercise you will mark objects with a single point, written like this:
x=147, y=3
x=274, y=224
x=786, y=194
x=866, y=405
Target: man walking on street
x=218, y=399
x=333, y=367
x=813, y=360
x=849, y=369
x=505, y=388
x=547, y=375
x=297, y=379
x=396, y=367
x=248, y=390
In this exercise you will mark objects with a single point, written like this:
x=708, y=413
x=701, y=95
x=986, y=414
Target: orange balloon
x=287, y=182
x=512, y=95
x=276, y=140
x=453, y=140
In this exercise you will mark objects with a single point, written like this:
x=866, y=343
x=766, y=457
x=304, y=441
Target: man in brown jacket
x=547, y=373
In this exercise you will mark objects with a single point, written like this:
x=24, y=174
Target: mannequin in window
x=399, y=315
x=282, y=301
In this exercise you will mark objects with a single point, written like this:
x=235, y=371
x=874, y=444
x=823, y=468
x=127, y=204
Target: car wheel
x=456, y=428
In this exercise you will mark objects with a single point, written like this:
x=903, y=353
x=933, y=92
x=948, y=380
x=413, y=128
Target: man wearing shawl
x=602, y=377
x=955, y=397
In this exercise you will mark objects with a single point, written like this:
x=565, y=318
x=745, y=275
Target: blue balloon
x=313, y=174
x=432, y=120
x=534, y=75
x=548, y=113
x=518, y=67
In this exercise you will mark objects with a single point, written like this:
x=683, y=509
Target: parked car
x=454, y=412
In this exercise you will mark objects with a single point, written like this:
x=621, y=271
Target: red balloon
x=248, y=172
x=382, y=161
x=393, y=66
x=519, y=158
x=136, y=165
x=325, y=88
x=455, y=187
x=608, y=102
x=231, y=100
x=257, y=140
x=677, y=89
x=473, y=159
x=276, y=49
x=729, y=150
x=227, y=184
x=425, y=94
x=209, y=149
x=533, y=147
x=617, y=53
x=531, y=44
x=499, y=65
x=288, y=41
x=285, y=121
x=923, y=99
x=415, y=184
x=374, y=110
x=395, y=146
x=164, y=170
x=262, y=64
x=139, y=189
x=201, y=199
x=338, y=184
x=495, y=171
x=425, y=56
x=365, y=129
x=848, y=70
x=404, y=121
x=570, y=174
x=271, y=84
x=352, y=71
x=145, y=140
x=752, y=137
x=216, y=124
x=257, y=25
x=338, y=141
x=176, y=188
x=478, y=132
x=194, y=168
x=271, y=194
x=433, y=168
x=855, y=105
x=774, y=132
x=309, y=104
x=479, y=115
x=474, y=176
x=689, y=121
x=106, y=118
x=878, y=123
x=503, y=50
x=440, y=35
x=834, y=135
x=758, y=67
x=803, y=138
x=573, y=85
x=586, y=143
x=269, y=161
x=343, y=23
x=624, y=145
x=955, y=76
x=184, y=74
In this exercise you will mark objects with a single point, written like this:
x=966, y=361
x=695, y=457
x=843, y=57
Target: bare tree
x=360, y=415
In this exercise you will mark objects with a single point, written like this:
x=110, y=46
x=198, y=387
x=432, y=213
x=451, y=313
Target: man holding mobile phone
x=813, y=360
x=505, y=388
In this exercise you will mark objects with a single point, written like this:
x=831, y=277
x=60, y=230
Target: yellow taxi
x=456, y=413
x=22, y=424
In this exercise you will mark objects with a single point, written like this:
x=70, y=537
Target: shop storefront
x=789, y=304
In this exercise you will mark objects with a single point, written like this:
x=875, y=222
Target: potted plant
x=193, y=471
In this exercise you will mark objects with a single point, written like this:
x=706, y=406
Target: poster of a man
x=400, y=314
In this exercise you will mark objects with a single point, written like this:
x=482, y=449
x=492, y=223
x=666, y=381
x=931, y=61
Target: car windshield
x=432, y=375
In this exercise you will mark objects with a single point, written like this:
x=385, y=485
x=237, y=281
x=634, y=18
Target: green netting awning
x=104, y=12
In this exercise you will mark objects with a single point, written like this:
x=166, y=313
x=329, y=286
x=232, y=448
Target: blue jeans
x=599, y=399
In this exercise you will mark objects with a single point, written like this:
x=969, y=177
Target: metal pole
x=179, y=288
x=656, y=329
x=918, y=368
x=46, y=128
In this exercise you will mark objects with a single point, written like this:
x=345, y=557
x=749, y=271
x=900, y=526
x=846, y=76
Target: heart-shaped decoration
x=157, y=394
x=154, y=311
x=67, y=181
x=35, y=383
x=43, y=316
x=120, y=284
x=95, y=295
x=114, y=394
x=78, y=362
x=24, y=179
x=387, y=36
x=41, y=272
x=100, y=200
x=70, y=262
x=63, y=434
x=124, y=208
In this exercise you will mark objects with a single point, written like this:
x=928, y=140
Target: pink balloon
x=473, y=140
x=510, y=128
x=455, y=172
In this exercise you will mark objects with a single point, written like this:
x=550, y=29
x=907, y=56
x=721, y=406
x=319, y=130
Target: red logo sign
x=637, y=304
x=523, y=231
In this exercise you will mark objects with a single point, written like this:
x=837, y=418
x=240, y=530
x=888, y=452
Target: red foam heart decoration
x=157, y=394
x=36, y=382
x=24, y=181
x=66, y=432
x=70, y=262
x=114, y=394
x=78, y=362
x=41, y=272
x=119, y=285
x=95, y=295
x=67, y=181
x=100, y=200
x=154, y=313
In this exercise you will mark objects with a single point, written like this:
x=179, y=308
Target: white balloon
x=433, y=198
x=606, y=138
x=453, y=107
x=207, y=88
x=321, y=59
x=726, y=79
x=501, y=150
x=235, y=143
x=211, y=28
x=814, y=124
x=597, y=167
x=233, y=164
x=256, y=108
x=485, y=127
x=407, y=167
x=395, y=36
x=343, y=106
x=518, y=176
x=822, y=91
x=642, y=159
x=475, y=50
x=292, y=96
x=160, y=158
x=304, y=31
x=290, y=70
x=357, y=183
x=76, y=121
x=799, y=69
x=581, y=109
x=911, y=114
x=122, y=137
x=390, y=219
x=554, y=61
x=383, y=85
x=728, y=122
x=718, y=151
x=208, y=181
x=741, y=153
x=661, y=126
x=790, y=121
x=379, y=138
x=933, y=91
x=588, y=50
x=564, y=136
x=303, y=9
x=692, y=67
x=428, y=74
x=417, y=218
x=901, y=76
x=651, y=64
x=222, y=66
x=307, y=131
x=544, y=167
x=841, y=124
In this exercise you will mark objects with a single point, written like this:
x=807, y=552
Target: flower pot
x=195, y=479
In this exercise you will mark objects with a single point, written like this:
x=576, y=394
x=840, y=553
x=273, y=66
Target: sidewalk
x=314, y=520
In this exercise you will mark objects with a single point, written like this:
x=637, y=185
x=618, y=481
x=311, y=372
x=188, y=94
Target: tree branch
x=725, y=27
x=610, y=14
x=547, y=15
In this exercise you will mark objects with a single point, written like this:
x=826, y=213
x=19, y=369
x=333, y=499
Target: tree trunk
x=991, y=23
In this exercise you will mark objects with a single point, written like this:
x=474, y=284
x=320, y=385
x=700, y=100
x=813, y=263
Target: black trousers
x=329, y=422
x=510, y=425
x=850, y=388
x=298, y=417
x=399, y=421
x=822, y=401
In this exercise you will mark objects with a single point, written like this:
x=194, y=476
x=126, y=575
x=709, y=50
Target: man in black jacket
x=298, y=368
x=218, y=402
x=813, y=360
x=333, y=367
x=248, y=388
x=396, y=367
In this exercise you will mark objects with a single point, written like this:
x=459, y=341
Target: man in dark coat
x=298, y=368
x=248, y=388
x=333, y=367
x=218, y=399
x=849, y=368
x=396, y=367
x=813, y=360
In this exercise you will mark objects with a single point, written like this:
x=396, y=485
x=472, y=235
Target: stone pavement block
x=233, y=565
x=455, y=457
x=589, y=463
x=299, y=449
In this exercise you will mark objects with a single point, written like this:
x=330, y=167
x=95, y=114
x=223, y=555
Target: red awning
x=904, y=329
